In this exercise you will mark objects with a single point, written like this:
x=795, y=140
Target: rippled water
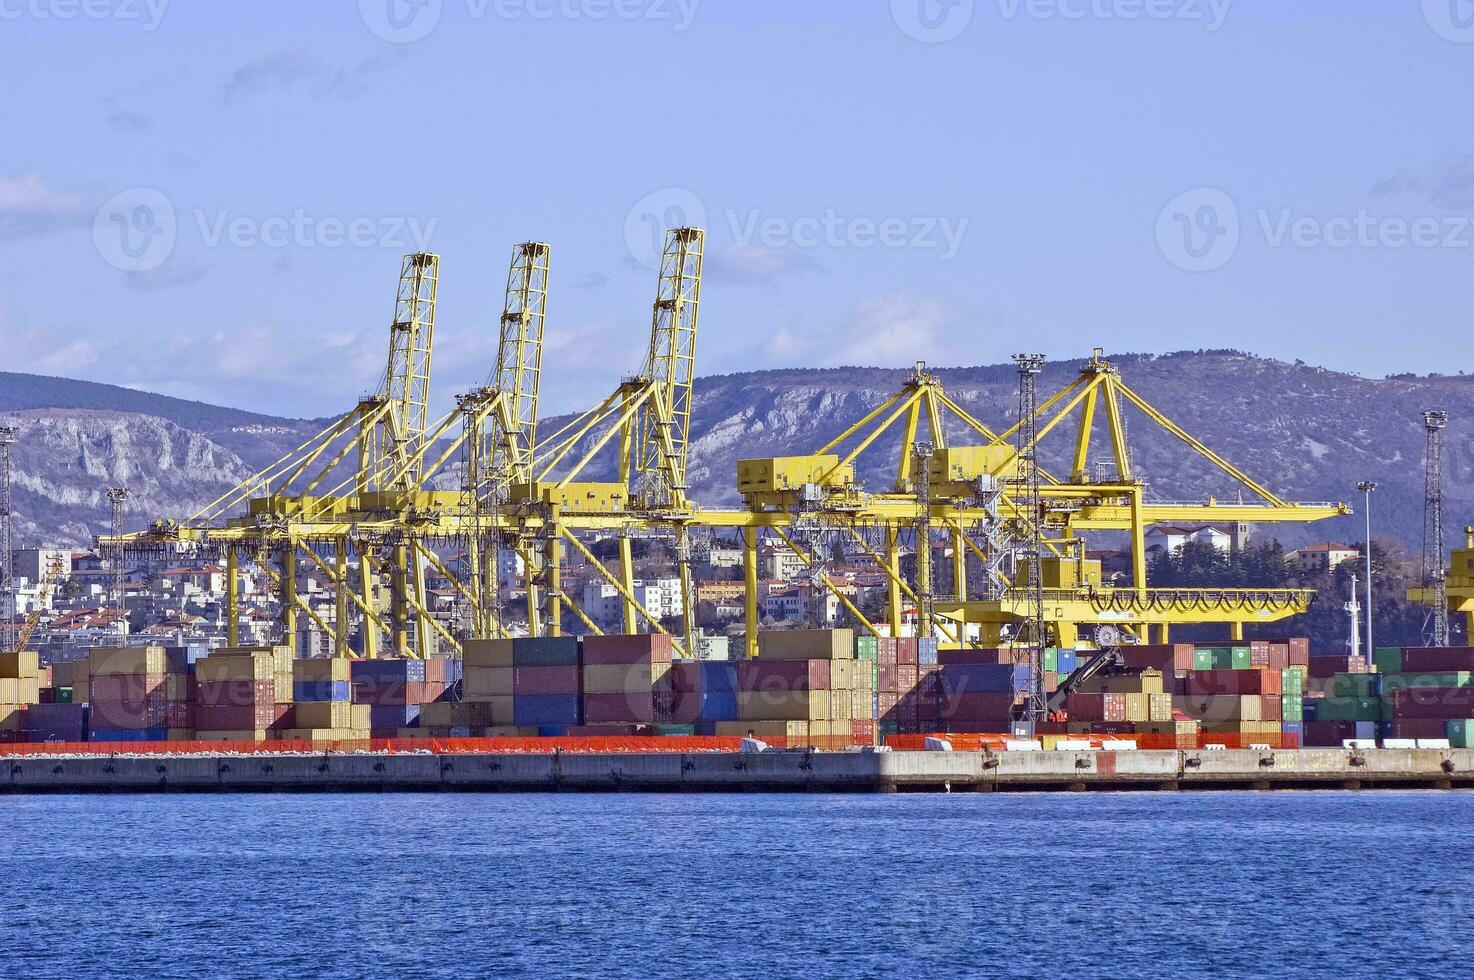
x=771, y=886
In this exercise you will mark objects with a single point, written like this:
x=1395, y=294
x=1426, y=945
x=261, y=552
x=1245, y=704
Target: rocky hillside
x=1308, y=433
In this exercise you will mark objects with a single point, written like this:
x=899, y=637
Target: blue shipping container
x=384, y=716
x=977, y=678
x=718, y=706
x=388, y=670
x=1068, y=662
x=718, y=675
x=926, y=651
x=129, y=735
x=545, y=709
x=322, y=691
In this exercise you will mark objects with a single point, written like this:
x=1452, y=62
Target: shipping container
x=809, y=644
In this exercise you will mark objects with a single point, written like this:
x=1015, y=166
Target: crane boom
x=407, y=379
x=671, y=366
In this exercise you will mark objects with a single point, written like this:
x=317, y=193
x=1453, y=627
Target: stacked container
x=138, y=694
x=546, y=684
x=806, y=685
x=323, y=708
x=704, y=694
x=20, y=687
x=626, y=680
x=395, y=690
x=242, y=694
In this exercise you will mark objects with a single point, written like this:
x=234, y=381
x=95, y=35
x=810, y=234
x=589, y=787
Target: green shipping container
x=867, y=647
x=675, y=729
x=1292, y=707
x=1388, y=660
x=1203, y=658
x=1292, y=681
x=1242, y=658
x=1051, y=658
x=63, y=695
x=1461, y=733
x=1348, y=709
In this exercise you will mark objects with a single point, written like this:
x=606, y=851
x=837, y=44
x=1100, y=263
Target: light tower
x=7, y=544
x=115, y=497
x=1435, y=630
x=1029, y=368
x=1353, y=609
x=1367, y=488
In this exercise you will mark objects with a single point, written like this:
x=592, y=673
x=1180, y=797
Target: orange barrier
x=976, y=742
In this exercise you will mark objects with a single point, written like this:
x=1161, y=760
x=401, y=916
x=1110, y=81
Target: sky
x=211, y=199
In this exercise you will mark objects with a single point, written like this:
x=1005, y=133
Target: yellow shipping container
x=322, y=670
x=486, y=683
x=1161, y=707
x=235, y=667
x=842, y=673
x=487, y=653
x=10, y=690
x=623, y=678
x=807, y=644
x=784, y=706
x=30, y=690
x=791, y=729
x=233, y=736
x=20, y=664
x=322, y=714
x=1138, y=707
x=862, y=705
x=842, y=706
x=127, y=660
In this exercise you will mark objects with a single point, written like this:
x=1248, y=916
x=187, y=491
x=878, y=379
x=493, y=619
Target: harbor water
x=1234, y=884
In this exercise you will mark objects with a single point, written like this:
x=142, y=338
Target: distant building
x=1323, y=556
x=660, y=597
x=1168, y=538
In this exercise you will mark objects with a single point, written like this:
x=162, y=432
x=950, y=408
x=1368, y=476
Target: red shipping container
x=1433, y=702
x=234, y=694
x=887, y=678
x=1297, y=647
x=619, y=708
x=1437, y=659
x=1162, y=656
x=777, y=676
x=969, y=657
x=977, y=712
x=1096, y=707
x=906, y=650
x=621, y=649
x=257, y=717
x=1272, y=708
x=545, y=680
x=1209, y=682
x=128, y=687
x=1279, y=656
x=906, y=677
x=129, y=714
x=886, y=702
x=1420, y=728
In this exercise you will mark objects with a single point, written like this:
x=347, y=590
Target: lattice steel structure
x=1032, y=506
x=8, y=632
x=116, y=496
x=1435, y=578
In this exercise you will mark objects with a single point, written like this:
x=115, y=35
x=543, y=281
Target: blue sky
x=882, y=181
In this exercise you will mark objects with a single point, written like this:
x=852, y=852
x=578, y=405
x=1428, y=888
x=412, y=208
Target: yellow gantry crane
x=368, y=488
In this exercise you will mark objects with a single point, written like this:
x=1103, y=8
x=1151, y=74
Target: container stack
x=20, y=688
x=546, y=681
x=807, y=687
x=704, y=694
x=627, y=680
x=1416, y=694
x=323, y=708
x=396, y=689
x=488, y=674
x=242, y=694
x=138, y=694
x=977, y=689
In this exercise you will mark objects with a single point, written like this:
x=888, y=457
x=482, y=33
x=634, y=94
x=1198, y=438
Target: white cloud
x=883, y=331
x=28, y=207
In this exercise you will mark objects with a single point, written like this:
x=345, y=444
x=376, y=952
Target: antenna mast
x=1435, y=580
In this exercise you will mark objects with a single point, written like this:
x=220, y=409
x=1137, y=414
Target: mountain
x=1305, y=432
